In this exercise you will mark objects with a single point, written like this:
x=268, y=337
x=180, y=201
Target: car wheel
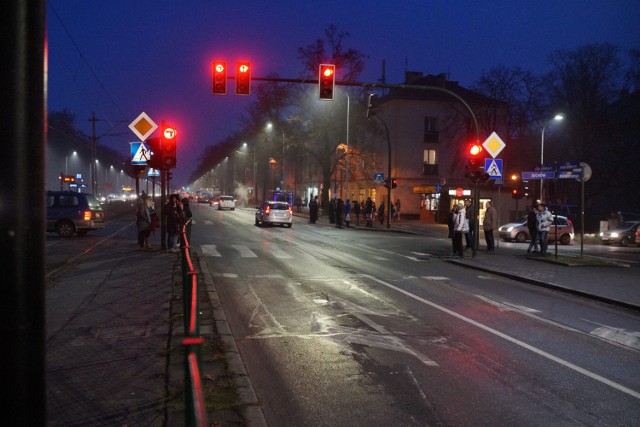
x=289, y=225
x=521, y=237
x=565, y=239
x=624, y=241
x=65, y=228
x=233, y=209
x=257, y=222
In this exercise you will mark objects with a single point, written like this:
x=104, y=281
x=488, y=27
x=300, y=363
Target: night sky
x=118, y=58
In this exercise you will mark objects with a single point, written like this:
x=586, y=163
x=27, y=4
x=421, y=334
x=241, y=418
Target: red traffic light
x=168, y=146
x=326, y=81
x=475, y=150
x=243, y=78
x=219, y=78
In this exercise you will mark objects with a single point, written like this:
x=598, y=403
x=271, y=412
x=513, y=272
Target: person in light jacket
x=460, y=227
x=545, y=219
x=489, y=224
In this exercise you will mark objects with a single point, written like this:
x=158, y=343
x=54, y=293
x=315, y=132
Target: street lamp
x=270, y=126
x=66, y=162
x=557, y=118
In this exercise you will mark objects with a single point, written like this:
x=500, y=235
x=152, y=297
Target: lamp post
x=346, y=153
x=66, y=162
x=557, y=118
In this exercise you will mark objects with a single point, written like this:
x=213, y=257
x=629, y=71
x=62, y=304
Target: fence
x=195, y=410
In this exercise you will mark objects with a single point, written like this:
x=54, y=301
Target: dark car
x=274, y=213
x=70, y=213
x=623, y=235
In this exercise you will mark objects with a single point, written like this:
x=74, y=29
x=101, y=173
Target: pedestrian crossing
x=288, y=251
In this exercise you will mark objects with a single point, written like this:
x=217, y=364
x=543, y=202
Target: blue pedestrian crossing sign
x=378, y=177
x=493, y=168
x=140, y=153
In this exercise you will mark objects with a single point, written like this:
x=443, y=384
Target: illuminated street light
x=557, y=118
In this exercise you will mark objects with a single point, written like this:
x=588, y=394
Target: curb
x=251, y=411
x=549, y=285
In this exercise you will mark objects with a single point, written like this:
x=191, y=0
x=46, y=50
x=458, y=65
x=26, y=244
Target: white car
x=226, y=202
x=274, y=213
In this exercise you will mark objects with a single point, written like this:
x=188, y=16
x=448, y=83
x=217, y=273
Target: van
x=70, y=213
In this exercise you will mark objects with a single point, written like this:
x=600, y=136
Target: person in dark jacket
x=339, y=212
x=532, y=225
x=356, y=211
x=313, y=210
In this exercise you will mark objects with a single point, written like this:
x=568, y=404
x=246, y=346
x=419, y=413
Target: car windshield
x=280, y=206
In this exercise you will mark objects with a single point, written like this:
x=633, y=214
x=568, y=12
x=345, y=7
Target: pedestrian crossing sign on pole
x=493, y=168
x=139, y=153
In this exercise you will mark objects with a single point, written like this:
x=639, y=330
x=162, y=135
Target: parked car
x=226, y=202
x=519, y=231
x=274, y=213
x=625, y=234
x=70, y=213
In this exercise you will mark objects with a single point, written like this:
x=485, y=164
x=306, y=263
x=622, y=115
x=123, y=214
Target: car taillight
x=87, y=215
x=290, y=211
x=266, y=210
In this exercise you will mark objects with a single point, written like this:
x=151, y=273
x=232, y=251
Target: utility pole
x=94, y=149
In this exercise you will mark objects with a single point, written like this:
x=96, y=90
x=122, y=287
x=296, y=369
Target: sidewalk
x=617, y=285
x=114, y=342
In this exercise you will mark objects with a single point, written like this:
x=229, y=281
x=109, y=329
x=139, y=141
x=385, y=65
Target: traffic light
x=386, y=182
x=517, y=194
x=326, y=81
x=155, y=158
x=168, y=148
x=394, y=182
x=219, y=78
x=243, y=78
x=169, y=176
x=474, y=169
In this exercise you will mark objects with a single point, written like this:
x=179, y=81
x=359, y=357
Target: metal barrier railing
x=195, y=409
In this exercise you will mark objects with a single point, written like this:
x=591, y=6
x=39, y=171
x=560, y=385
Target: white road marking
x=209, y=250
x=244, y=251
x=511, y=339
x=508, y=306
x=379, y=258
x=278, y=253
x=435, y=277
x=620, y=336
x=208, y=222
x=420, y=254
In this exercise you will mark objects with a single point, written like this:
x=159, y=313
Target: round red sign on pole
x=459, y=192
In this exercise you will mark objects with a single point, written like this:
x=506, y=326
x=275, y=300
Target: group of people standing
x=539, y=221
x=177, y=212
x=340, y=211
x=459, y=226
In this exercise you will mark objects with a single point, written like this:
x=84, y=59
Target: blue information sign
x=539, y=175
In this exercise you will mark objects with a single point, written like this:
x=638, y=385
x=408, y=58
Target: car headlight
x=614, y=234
x=602, y=234
x=509, y=229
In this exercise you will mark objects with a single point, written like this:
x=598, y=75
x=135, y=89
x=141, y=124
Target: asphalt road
x=352, y=327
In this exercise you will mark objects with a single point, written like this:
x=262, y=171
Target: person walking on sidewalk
x=460, y=227
x=143, y=220
x=396, y=211
x=451, y=224
x=173, y=214
x=469, y=237
x=545, y=219
x=368, y=212
x=489, y=224
x=532, y=225
x=313, y=210
x=347, y=212
x=381, y=212
x=356, y=211
x=339, y=212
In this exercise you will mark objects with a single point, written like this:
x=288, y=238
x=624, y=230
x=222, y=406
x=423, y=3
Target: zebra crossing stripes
x=209, y=250
x=244, y=251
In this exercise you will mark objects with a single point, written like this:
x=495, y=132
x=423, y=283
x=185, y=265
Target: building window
x=430, y=162
x=430, y=130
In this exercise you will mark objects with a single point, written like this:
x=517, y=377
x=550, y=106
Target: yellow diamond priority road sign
x=143, y=126
x=494, y=145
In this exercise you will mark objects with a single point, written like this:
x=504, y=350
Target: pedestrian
x=173, y=214
x=532, y=225
x=143, y=221
x=460, y=227
x=356, y=211
x=396, y=213
x=469, y=216
x=381, y=212
x=450, y=225
x=347, y=212
x=545, y=219
x=368, y=212
x=332, y=210
x=339, y=212
x=313, y=210
x=489, y=224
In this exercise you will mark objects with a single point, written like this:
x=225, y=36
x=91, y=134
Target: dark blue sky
x=118, y=58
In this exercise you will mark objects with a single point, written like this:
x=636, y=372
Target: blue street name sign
x=539, y=175
x=569, y=174
x=567, y=166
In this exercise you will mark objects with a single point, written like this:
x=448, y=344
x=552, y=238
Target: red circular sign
x=459, y=192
